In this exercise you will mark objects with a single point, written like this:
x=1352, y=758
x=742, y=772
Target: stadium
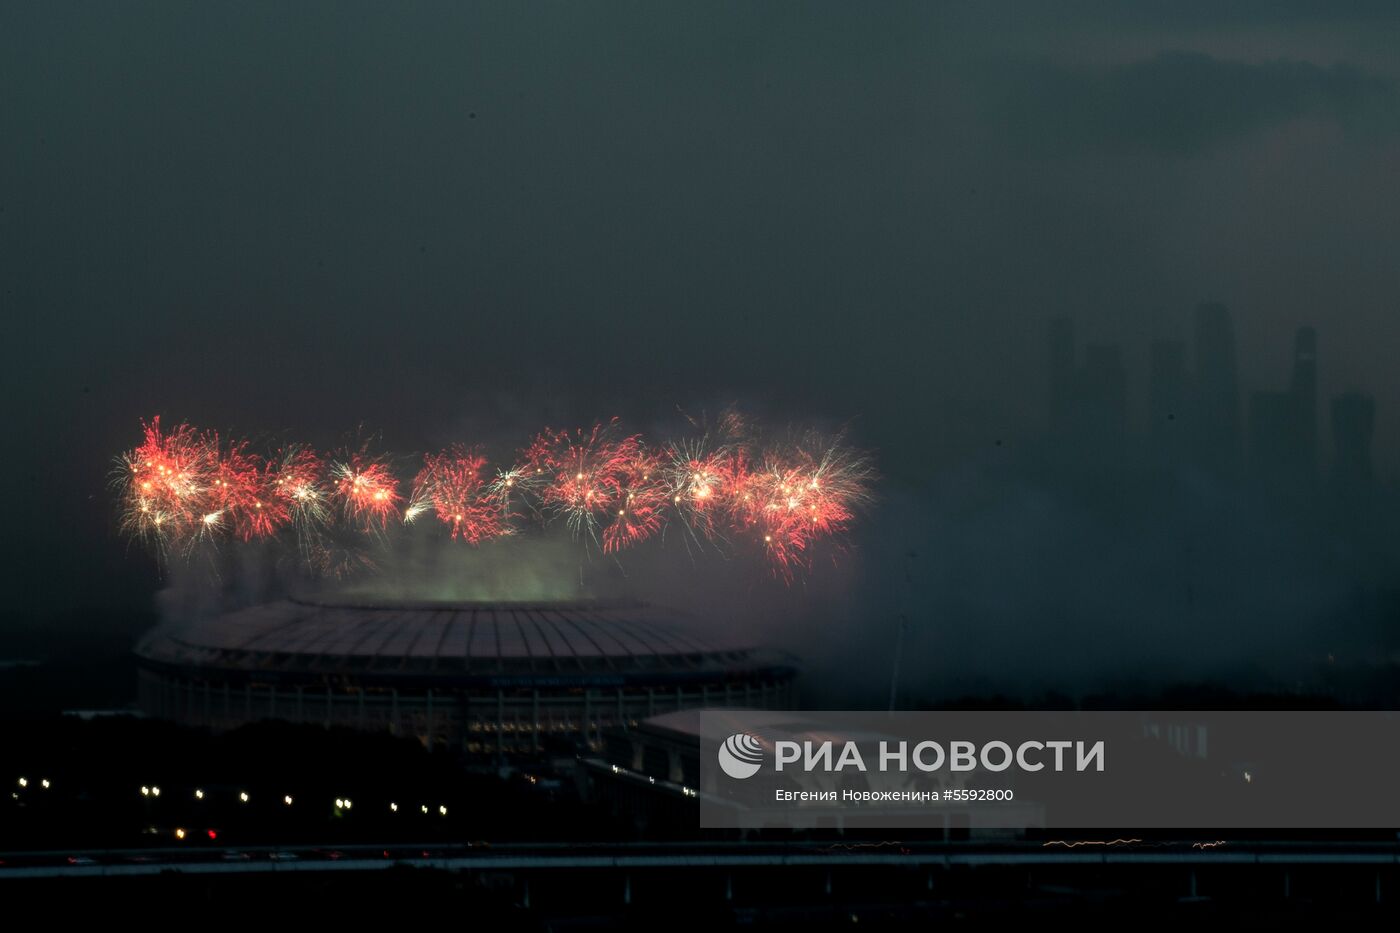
x=497, y=678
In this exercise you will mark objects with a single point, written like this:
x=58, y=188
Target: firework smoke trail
x=186, y=489
x=451, y=485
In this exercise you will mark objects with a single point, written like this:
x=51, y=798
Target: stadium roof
x=450, y=639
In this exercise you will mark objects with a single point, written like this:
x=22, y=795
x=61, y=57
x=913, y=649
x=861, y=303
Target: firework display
x=366, y=489
x=451, y=485
x=185, y=489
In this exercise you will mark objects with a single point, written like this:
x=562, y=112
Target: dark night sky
x=451, y=219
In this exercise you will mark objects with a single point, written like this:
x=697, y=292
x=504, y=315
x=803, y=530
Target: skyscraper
x=1283, y=425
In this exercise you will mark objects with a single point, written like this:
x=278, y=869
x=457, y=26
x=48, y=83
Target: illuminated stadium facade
x=486, y=678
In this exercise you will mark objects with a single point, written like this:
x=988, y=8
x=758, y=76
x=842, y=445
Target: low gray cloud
x=1179, y=103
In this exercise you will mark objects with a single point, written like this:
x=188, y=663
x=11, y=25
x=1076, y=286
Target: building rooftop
x=442, y=638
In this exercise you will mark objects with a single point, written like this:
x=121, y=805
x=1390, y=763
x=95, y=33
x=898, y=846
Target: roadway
x=626, y=856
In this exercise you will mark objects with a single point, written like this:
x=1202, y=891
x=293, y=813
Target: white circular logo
x=740, y=756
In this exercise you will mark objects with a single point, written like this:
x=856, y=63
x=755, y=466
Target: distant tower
x=1303, y=390
x=1062, y=373
x=1166, y=401
x=1283, y=425
x=1217, y=409
x=1353, y=422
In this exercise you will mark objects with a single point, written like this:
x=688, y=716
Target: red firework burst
x=367, y=490
x=698, y=484
x=295, y=478
x=804, y=492
x=584, y=473
x=240, y=497
x=183, y=487
x=641, y=502
x=163, y=482
x=452, y=485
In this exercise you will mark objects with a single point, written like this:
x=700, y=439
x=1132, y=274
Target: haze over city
x=313, y=222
